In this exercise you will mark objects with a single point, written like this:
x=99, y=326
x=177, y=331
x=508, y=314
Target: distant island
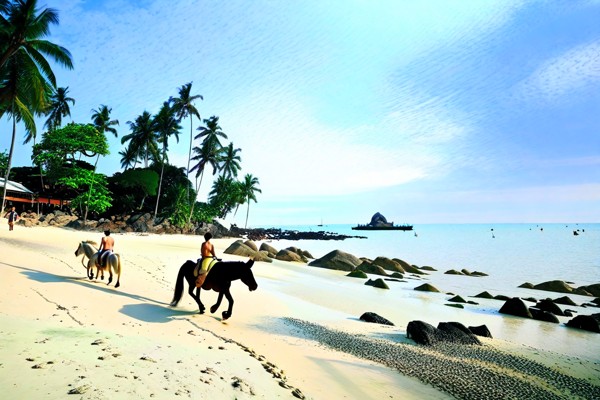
x=380, y=223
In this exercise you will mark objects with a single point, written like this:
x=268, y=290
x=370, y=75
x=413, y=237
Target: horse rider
x=107, y=245
x=207, y=260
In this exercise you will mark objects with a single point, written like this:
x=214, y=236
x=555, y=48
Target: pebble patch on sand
x=466, y=372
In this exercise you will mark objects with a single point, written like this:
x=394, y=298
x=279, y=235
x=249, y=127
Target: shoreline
x=47, y=289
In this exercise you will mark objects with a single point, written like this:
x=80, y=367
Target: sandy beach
x=297, y=336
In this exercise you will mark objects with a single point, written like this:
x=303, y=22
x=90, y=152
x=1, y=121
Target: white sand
x=60, y=331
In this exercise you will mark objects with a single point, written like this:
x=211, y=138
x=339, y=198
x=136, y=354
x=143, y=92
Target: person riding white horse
x=107, y=245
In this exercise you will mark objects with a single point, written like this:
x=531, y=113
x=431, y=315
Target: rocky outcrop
x=374, y=318
x=426, y=287
x=550, y=306
x=272, y=251
x=369, y=268
x=566, y=300
x=446, y=332
x=542, y=315
x=484, y=295
x=517, y=307
x=337, y=260
x=409, y=268
x=357, y=274
x=239, y=248
x=457, y=299
x=378, y=283
x=594, y=289
x=481, y=330
x=388, y=264
x=289, y=255
x=586, y=322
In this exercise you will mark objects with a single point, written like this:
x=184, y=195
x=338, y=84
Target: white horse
x=112, y=264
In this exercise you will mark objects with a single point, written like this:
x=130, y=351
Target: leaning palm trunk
x=87, y=203
x=247, y=213
x=162, y=169
x=194, y=202
x=10, y=154
x=189, y=160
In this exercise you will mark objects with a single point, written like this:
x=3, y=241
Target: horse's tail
x=178, y=286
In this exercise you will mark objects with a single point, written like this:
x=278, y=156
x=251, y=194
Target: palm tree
x=184, y=107
x=230, y=161
x=206, y=154
x=129, y=156
x=165, y=125
x=25, y=74
x=58, y=108
x=211, y=132
x=142, y=136
x=102, y=121
x=249, y=190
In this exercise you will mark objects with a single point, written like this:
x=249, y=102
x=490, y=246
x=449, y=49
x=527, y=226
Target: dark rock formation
x=586, y=322
x=501, y=297
x=484, y=295
x=337, y=260
x=251, y=244
x=457, y=299
x=455, y=305
x=481, y=330
x=378, y=283
x=289, y=255
x=369, y=268
x=515, y=306
x=388, y=264
x=448, y=332
x=548, y=305
x=526, y=285
x=397, y=275
x=426, y=287
x=542, y=315
x=357, y=274
x=593, y=289
x=409, y=268
x=453, y=272
x=428, y=268
x=377, y=220
x=374, y=318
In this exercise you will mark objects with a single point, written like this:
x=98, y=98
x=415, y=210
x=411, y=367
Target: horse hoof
x=117, y=285
x=213, y=309
x=226, y=315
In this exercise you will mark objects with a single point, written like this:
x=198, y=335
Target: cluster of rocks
x=260, y=234
x=547, y=310
x=267, y=253
x=564, y=287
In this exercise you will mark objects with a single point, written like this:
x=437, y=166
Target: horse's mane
x=90, y=242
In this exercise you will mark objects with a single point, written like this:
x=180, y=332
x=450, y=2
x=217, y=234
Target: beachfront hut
x=17, y=195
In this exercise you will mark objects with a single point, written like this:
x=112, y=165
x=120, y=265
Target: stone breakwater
x=465, y=372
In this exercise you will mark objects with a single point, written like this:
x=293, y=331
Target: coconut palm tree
x=142, y=136
x=184, y=107
x=165, y=124
x=58, y=108
x=230, y=161
x=249, y=190
x=129, y=156
x=211, y=132
x=26, y=77
x=102, y=121
x=206, y=154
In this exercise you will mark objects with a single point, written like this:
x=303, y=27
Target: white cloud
x=575, y=69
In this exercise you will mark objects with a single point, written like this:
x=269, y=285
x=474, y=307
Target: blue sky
x=428, y=112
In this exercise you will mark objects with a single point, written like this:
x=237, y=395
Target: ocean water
x=510, y=254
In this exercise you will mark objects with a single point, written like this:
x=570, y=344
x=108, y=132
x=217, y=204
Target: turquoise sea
x=510, y=253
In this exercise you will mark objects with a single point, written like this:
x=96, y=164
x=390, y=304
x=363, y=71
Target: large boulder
x=369, y=268
x=516, y=306
x=594, y=289
x=357, y=274
x=388, y=264
x=238, y=248
x=554, y=286
x=542, y=315
x=586, y=322
x=481, y=330
x=251, y=244
x=409, y=268
x=268, y=248
x=337, y=260
x=548, y=305
x=566, y=300
x=374, y=318
x=484, y=295
x=378, y=283
x=452, y=332
x=426, y=287
x=288, y=255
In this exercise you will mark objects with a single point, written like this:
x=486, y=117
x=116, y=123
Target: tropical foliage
x=68, y=155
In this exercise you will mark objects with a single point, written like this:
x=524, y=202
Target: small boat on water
x=380, y=223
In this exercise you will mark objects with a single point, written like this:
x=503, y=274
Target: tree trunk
x=247, y=212
x=10, y=154
x=187, y=171
x=87, y=203
x=194, y=202
x=162, y=169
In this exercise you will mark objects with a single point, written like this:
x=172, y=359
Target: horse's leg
x=217, y=304
x=192, y=285
x=227, y=314
x=90, y=268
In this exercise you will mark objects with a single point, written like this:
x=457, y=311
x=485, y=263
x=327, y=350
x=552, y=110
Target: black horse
x=218, y=279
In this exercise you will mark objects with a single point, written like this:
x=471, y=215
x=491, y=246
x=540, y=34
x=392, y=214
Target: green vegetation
x=64, y=155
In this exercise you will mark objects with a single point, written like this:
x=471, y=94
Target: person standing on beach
x=206, y=261
x=107, y=245
x=12, y=216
